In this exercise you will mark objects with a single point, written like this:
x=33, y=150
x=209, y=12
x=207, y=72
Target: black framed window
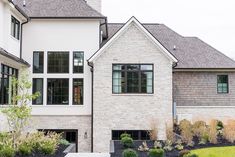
x=78, y=62
x=38, y=62
x=135, y=134
x=77, y=91
x=15, y=27
x=222, y=84
x=58, y=62
x=6, y=87
x=57, y=91
x=38, y=87
x=132, y=78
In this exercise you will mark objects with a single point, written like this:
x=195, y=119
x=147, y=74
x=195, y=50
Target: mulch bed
x=58, y=153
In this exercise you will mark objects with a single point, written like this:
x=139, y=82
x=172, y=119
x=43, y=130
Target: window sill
x=134, y=94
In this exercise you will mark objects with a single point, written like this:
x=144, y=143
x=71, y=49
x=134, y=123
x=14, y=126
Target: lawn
x=216, y=152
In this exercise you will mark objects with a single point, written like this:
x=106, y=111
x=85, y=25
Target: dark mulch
x=58, y=153
x=119, y=147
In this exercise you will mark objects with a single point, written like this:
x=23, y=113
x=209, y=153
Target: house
x=99, y=79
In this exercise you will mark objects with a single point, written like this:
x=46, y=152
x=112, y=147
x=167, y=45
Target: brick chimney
x=95, y=4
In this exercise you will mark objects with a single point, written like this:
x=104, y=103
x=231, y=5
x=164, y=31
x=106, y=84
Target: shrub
x=154, y=131
x=184, y=152
x=229, y=131
x=125, y=135
x=168, y=145
x=190, y=155
x=7, y=151
x=64, y=142
x=157, y=144
x=179, y=145
x=25, y=149
x=212, y=131
x=170, y=134
x=144, y=147
x=186, y=131
x=127, y=142
x=199, y=128
x=129, y=153
x=156, y=153
x=220, y=125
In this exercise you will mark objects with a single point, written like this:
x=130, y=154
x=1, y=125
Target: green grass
x=216, y=152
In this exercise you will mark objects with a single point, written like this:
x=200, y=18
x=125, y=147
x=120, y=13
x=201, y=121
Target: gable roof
x=191, y=52
x=119, y=33
x=58, y=9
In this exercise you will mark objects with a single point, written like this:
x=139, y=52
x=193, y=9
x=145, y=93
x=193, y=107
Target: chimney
x=95, y=4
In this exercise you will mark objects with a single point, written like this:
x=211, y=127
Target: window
x=38, y=62
x=133, y=78
x=77, y=91
x=57, y=91
x=222, y=83
x=38, y=87
x=58, y=62
x=78, y=62
x=6, y=87
x=15, y=28
x=135, y=134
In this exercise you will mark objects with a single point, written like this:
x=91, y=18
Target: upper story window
x=15, y=27
x=6, y=91
x=78, y=62
x=38, y=62
x=133, y=78
x=58, y=62
x=222, y=84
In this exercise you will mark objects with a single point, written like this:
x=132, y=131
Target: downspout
x=173, y=103
x=21, y=35
x=92, y=116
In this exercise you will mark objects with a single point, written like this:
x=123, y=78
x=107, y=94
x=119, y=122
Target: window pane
x=58, y=91
x=15, y=27
x=78, y=62
x=58, y=62
x=38, y=62
x=38, y=87
x=132, y=82
x=146, y=67
x=77, y=91
x=133, y=67
x=222, y=83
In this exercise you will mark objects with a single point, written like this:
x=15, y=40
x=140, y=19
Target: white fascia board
x=133, y=19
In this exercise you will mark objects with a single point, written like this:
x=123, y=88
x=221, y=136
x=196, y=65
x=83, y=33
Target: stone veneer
x=130, y=111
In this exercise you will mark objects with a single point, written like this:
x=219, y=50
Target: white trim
x=119, y=33
x=204, y=70
x=205, y=106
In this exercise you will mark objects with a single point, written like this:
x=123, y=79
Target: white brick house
x=99, y=79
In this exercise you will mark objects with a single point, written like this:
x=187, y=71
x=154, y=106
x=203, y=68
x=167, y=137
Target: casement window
x=57, y=91
x=78, y=62
x=6, y=87
x=222, y=84
x=15, y=28
x=132, y=78
x=58, y=62
x=38, y=87
x=77, y=91
x=38, y=62
x=135, y=134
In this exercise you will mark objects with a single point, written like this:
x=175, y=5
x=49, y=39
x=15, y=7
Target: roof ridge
x=92, y=7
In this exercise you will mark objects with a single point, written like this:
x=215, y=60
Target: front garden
x=186, y=139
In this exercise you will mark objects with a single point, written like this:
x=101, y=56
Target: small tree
x=18, y=113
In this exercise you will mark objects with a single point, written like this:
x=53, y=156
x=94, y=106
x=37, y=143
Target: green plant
x=220, y=125
x=156, y=153
x=25, y=149
x=129, y=153
x=184, y=152
x=144, y=147
x=186, y=131
x=190, y=155
x=127, y=142
x=6, y=145
x=64, y=142
x=168, y=145
x=191, y=144
x=179, y=145
x=7, y=151
x=125, y=135
x=157, y=144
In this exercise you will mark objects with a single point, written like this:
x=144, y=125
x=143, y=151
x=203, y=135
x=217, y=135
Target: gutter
x=92, y=109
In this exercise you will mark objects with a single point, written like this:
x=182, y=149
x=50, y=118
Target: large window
x=38, y=62
x=6, y=87
x=58, y=62
x=38, y=87
x=222, y=84
x=78, y=62
x=57, y=91
x=15, y=28
x=77, y=91
x=135, y=134
x=133, y=78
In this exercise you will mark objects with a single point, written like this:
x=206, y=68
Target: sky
x=213, y=21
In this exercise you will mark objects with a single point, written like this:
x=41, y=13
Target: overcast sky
x=211, y=20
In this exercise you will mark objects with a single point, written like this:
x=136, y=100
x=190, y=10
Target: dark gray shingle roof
x=3, y=52
x=191, y=52
x=57, y=8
